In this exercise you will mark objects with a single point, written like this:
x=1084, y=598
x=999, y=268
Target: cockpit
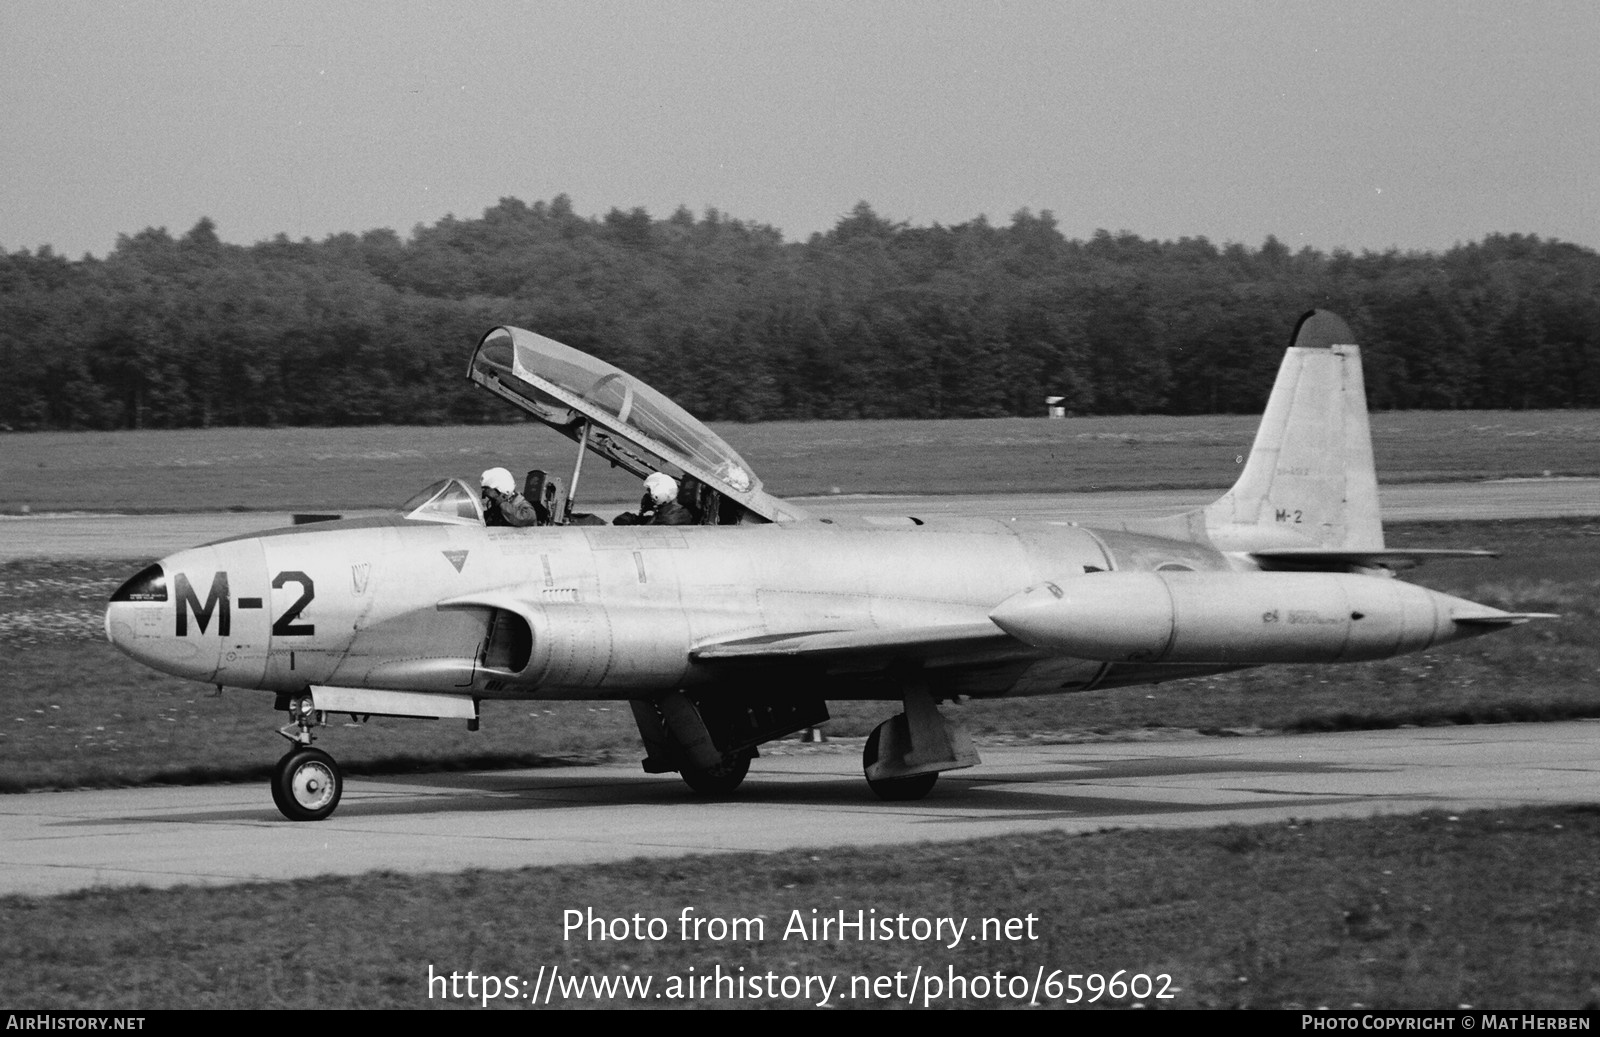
x=453, y=502
x=608, y=412
x=630, y=425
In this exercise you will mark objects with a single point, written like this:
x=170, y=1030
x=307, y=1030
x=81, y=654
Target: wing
x=975, y=658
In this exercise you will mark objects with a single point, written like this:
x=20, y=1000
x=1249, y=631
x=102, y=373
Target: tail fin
x=1309, y=481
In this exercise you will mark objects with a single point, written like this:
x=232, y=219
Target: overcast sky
x=1406, y=123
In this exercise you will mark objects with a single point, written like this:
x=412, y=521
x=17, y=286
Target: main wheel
x=306, y=785
x=904, y=790
x=720, y=780
x=894, y=790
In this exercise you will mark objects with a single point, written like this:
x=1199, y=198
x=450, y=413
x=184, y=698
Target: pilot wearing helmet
x=502, y=504
x=660, y=505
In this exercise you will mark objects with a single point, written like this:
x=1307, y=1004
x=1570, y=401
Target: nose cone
x=144, y=620
x=141, y=595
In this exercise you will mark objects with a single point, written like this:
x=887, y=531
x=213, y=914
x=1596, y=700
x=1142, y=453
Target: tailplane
x=1309, y=481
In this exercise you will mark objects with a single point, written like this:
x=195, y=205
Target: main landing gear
x=905, y=754
x=893, y=790
x=711, y=736
x=306, y=783
x=721, y=779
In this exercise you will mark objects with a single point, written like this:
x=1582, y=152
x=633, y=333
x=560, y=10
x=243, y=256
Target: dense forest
x=872, y=319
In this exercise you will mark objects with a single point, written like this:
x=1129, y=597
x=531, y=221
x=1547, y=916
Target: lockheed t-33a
x=737, y=630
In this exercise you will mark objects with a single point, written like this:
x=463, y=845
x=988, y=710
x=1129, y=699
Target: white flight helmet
x=499, y=480
x=661, y=487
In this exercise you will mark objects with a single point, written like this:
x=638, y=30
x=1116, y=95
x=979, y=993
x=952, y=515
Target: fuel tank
x=1237, y=618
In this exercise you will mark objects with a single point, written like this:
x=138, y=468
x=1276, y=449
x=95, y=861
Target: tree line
x=872, y=319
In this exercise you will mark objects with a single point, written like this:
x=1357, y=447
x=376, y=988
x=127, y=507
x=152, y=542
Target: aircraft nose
x=139, y=623
x=139, y=596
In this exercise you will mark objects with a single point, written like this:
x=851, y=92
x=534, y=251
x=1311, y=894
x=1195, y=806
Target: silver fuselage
x=610, y=612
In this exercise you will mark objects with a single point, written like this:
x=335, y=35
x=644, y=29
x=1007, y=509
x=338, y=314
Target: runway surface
x=797, y=796
x=154, y=536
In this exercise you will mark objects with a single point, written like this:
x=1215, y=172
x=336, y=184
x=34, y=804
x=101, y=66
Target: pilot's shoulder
x=673, y=514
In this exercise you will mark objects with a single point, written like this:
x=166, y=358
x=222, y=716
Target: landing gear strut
x=306, y=783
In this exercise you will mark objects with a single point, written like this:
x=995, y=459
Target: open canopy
x=630, y=424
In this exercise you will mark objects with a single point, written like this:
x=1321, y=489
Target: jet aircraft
x=738, y=630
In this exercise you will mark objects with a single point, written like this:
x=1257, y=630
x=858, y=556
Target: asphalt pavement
x=797, y=796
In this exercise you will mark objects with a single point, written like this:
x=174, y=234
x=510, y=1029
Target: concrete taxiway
x=796, y=797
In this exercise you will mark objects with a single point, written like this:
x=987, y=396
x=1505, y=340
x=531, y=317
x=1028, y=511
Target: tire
x=894, y=790
x=306, y=785
x=869, y=752
x=277, y=782
x=904, y=790
x=720, y=780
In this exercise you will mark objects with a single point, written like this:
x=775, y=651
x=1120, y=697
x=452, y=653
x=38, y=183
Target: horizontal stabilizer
x=1321, y=558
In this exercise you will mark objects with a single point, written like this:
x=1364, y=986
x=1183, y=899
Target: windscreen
x=448, y=500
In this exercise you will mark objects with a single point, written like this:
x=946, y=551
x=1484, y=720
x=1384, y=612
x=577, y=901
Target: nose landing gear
x=306, y=783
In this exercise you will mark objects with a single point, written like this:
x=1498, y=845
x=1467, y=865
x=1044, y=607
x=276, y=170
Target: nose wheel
x=306, y=784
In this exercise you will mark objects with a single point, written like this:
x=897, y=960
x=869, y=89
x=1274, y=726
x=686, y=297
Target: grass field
x=308, y=469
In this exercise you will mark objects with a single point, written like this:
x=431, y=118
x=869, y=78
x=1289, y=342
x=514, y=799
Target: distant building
x=1054, y=406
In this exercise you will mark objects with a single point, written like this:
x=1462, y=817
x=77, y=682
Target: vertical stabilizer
x=1309, y=480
